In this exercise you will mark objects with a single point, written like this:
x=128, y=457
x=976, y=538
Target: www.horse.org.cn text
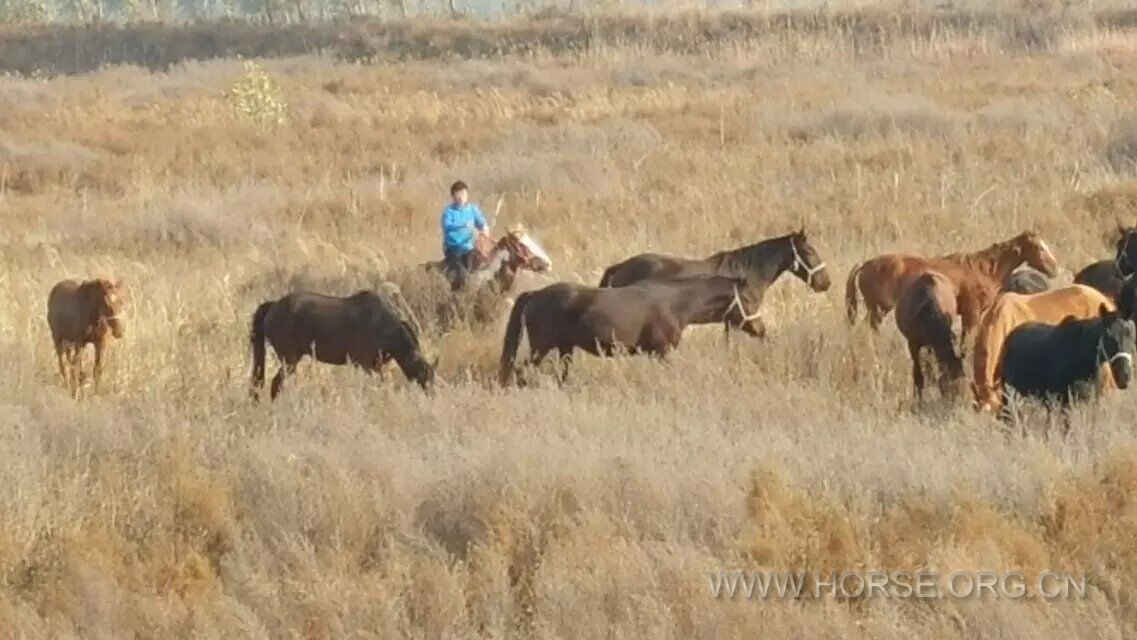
x=793, y=585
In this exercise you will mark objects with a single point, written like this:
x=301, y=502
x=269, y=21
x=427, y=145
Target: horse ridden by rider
x=470, y=256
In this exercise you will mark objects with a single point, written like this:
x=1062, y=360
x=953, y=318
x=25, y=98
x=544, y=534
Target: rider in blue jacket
x=461, y=222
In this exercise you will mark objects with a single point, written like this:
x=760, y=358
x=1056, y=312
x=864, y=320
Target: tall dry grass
x=170, y=506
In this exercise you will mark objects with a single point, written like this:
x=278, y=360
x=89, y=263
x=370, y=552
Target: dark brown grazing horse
x=977, y=277
x=645, y=318
x=924, y=315
x=80, y=314
x=363, y=329
x=760, y=264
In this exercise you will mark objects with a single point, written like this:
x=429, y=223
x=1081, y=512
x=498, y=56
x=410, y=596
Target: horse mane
x=406, y=314
x=744, y=259
x=986, y=258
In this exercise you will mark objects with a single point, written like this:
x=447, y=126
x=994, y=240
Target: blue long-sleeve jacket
x=456, y=234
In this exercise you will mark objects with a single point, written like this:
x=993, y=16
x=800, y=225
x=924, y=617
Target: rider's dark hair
x=457, y=186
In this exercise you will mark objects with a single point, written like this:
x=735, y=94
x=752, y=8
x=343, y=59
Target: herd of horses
x=1054, y=344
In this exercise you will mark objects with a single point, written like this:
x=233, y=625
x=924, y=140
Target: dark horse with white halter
x=1060, y=363
x=759, y=264
x=648, y=317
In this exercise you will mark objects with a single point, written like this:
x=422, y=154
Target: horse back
x=65, y=310
x=653, y=265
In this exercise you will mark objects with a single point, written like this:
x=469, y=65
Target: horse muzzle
x=1122, y=370
x=117, y=326
x=819, y=281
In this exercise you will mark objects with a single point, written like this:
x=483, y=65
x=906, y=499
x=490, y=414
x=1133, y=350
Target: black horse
x=1063, y=362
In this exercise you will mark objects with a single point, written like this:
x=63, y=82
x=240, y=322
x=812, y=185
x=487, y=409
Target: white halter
x=737, y=302
x=800, y=263
x=1105, y=358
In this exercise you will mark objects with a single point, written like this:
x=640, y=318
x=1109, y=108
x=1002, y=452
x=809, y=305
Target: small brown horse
x=499, y=263
x=924, y=315
x=977, y=276
x=363, y=329
x=761, y=264
x=646, y=318
x=80, y=314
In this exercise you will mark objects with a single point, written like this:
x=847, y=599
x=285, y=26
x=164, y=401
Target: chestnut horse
x=1013, y=309
x=498, y=264
x=645, y=318
x=924, y=314
x=977, y=276
x=80, y=314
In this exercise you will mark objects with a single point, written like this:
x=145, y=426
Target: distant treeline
x=66, y=49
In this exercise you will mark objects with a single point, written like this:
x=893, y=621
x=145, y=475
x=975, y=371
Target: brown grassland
x=170, y=506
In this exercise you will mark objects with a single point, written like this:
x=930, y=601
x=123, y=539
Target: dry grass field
x=170, y=506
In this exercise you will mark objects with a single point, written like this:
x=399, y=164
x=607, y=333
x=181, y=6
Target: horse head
x=1036, y=253
x=105, y=299
x=525, y=252
x=807, y=263
x=1117, y=345
x=1125, y=256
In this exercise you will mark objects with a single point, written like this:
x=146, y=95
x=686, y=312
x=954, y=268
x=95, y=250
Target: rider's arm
x=479, y=219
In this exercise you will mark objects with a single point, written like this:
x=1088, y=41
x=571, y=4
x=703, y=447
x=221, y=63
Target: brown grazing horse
x=80, y=314
x=364, y=330
x=977, y=276
x=499, y=263
x=645, y=318
x=924, y=315
x=1012, y=310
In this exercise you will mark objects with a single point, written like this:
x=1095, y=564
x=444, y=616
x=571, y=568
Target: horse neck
x=701, y=303
x=997, y=261
x=761, y=263
x=1086, y=338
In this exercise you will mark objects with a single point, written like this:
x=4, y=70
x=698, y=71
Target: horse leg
x=876, y=316
x=563, y=362
x=287, y=368
x=60, y=351
x=76, y=357
x=97, y=372
x=917, y=370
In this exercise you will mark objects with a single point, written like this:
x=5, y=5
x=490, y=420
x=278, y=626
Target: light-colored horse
x=499, y=263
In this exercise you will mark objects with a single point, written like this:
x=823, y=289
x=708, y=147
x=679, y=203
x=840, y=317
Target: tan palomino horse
x=1014, y=309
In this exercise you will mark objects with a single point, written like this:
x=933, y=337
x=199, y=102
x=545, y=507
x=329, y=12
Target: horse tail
x=512, y=338
x=257, y=339
x=851, y=294
x=938, y=324
x=606, y=278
